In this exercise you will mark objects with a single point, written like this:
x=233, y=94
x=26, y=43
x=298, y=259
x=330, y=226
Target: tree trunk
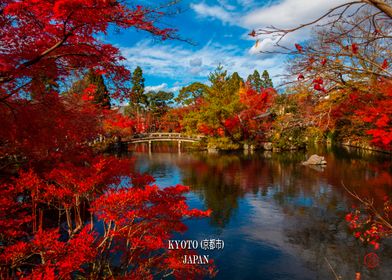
x=382, y=6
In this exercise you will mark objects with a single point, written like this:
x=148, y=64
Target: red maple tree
x=65, y=210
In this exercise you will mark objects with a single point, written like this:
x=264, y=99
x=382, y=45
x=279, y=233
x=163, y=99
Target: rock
x=315, y=160
x=267, y=146
x=249, y=147
x=267, y=154
x=318, y=168
x=213, y=150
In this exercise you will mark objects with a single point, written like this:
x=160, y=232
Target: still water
x=278, y=219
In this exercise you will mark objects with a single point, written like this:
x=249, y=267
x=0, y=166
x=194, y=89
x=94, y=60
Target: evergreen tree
x=137, y=98
x=222, y=101
x=101, y=93
x=189, y=94
x=235, y=82
x=159, y=102
x=266, y=80
x=254, y=81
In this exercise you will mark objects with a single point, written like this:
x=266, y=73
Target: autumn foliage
x=67, y=211
x=378, y=113
x=53, y=210
x=370, y=225
x=46, y=40
x=345, y=71
x=137, y=219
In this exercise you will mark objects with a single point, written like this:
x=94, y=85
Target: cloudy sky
x=219, y=29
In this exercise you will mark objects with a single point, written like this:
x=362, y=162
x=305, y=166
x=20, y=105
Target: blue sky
x=220, y=30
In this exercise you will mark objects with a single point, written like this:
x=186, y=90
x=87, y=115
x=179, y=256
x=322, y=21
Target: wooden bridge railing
x=162, y=136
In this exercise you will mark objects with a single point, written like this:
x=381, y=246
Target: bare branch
x=382, y=6
x=283, y=32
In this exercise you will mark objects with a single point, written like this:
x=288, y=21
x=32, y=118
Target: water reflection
x=280, y=219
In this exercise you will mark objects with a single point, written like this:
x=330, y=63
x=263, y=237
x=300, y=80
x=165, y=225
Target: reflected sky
x=279, y=219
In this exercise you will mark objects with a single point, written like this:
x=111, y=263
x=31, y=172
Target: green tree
x=235, y=81
x=266, y=81
x=101, y=93
x=255, y=81
x=137, y=97
x=221, y=103
x=159, y=102
x=189, y=94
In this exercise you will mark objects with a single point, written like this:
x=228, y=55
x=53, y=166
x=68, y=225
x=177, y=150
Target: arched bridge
x=153, y=137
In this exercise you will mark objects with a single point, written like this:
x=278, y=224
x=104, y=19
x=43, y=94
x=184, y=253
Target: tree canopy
x=137, y=94
x=65, y=207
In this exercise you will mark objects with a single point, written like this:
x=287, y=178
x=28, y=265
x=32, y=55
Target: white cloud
x=156, y=88
x=188, y=65
x=246, y=3
x=282, y=14
x=196, y=62
x=196, y=65
x=226, y=4
x=215, y=12
x=163, y=87
x=288, y=13
x=268, y=44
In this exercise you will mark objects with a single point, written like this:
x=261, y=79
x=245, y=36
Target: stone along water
x=278, y=219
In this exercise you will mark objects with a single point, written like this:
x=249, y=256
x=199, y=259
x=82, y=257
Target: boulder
x=213, y=150
x=267, y=146
x=315, y=160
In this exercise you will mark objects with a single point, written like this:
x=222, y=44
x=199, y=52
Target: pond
x=278, y=219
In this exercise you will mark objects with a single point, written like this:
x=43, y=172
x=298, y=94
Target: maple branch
x=284, y=32
x=370, y=206
x=37, y=58
x=381, y=5
x=46, y=52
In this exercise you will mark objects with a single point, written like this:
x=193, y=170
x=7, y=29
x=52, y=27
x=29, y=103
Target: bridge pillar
x=149, y=147
x=179, y=146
